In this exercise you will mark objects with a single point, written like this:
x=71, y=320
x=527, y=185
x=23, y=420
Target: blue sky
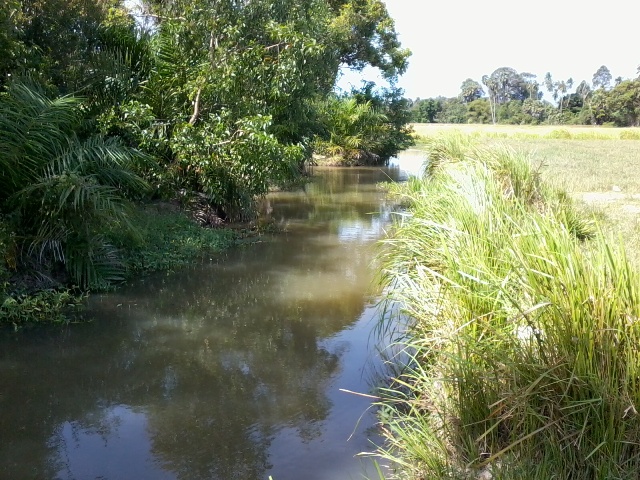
x=452, y=40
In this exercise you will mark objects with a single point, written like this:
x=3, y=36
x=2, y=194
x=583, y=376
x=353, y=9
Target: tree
x=453, y=111
x=364, y=34
x=585, y=93
x=531, y=85
x=535, y=110
x=10, y=45
x=60, y=190
x=470, y=90
x=57, y=38
x=503, y=85
x=602, y=78
x=235, y=86
x=600, y=107
x=394, y=133
x=426, y=111
x=479, y=111
x=558, y=89
x=223, y=95
x=624, y=103
x=354, y=130
x=508, y=85
x=492, y=91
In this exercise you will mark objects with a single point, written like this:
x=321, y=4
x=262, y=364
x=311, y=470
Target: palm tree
x=353, y=128
x=63, y=191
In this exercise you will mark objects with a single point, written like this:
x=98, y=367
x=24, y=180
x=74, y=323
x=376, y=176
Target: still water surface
x=231, y=369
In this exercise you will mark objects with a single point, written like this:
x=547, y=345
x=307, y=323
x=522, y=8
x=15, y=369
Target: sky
x=453, y=40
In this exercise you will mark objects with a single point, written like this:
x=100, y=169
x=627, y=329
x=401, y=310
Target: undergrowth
x=161, y=240
x=166, y=240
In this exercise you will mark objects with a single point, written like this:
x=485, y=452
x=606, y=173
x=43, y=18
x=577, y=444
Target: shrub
x=630, y=135
x=559, y=134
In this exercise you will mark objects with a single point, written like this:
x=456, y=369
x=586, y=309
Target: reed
x=524, y=342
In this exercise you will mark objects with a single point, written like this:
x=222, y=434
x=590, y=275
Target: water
x=232, y=369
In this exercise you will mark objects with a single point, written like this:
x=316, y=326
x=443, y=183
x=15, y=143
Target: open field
x=579, y=132
x=595, y=166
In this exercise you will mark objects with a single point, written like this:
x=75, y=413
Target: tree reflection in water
x=193, y=375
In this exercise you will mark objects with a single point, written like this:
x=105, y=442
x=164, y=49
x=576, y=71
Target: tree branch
x=196, y=108
x=276, y=45
x=160, y=17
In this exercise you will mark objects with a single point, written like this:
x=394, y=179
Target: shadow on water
x=231, y=369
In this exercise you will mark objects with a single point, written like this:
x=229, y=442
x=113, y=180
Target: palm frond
x=64, y=189
x=94, y=263
x=32, y=130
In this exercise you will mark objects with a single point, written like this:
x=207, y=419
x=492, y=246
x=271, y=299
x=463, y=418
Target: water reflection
x=231, y=369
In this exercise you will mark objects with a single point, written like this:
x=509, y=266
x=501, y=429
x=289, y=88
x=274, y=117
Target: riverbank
x=524, y=333
x=164, y=238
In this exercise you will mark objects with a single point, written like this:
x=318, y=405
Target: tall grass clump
x=523, y=343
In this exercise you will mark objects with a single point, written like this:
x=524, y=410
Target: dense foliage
x=189, y=100
x=365, y=127
x=510, y=97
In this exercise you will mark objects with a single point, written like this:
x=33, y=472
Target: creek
x=234, y=368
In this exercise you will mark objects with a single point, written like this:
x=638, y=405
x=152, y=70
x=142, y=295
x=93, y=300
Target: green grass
x=524, y=340
x=168, y=239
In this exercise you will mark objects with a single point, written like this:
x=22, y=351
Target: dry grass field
x=579, y=132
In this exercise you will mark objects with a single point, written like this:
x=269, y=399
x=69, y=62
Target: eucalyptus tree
x=531, y=85
x=602, y=78
x=508, y=85
x=503, y=85
x=492, y=92
x=585, y=93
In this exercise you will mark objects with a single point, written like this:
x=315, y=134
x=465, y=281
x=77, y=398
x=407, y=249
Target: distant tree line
x=510, y=97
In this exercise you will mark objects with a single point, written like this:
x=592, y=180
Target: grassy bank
x=163, y=239
x=167, y=239
x=602, y=173
x=523, y=339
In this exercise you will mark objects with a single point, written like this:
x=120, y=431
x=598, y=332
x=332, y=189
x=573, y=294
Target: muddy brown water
x=232, y=369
